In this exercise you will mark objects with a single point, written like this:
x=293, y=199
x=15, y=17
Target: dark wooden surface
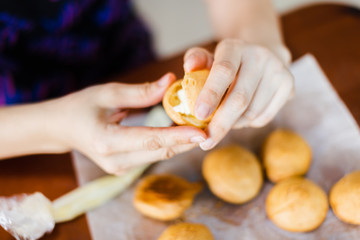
x=331, y=33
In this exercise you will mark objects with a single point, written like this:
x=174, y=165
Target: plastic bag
x=26, y=216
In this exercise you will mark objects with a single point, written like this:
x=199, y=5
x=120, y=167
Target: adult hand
x=253, y=82
x=89, y=122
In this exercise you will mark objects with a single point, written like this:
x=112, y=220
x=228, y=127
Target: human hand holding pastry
x=88, y=121
x=248, y=84
x=96, y=131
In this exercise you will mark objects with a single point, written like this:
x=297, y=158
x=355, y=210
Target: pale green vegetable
x=92, y=194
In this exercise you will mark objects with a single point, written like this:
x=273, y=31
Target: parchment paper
x=316, y=113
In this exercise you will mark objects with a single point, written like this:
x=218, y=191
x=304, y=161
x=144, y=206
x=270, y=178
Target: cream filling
x=183, y=107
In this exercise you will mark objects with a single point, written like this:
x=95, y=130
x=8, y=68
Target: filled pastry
x=164, y=197
x=179, y=100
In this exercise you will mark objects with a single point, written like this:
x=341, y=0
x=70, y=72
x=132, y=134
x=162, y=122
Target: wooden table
x=331, y=33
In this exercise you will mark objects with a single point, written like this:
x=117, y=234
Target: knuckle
x=120, y=171
x=145, y=91
x=112, y=167
x=250, y=115
x=113, y=128
x=225, y=68
x=168, y=153
x=282, y=77
x=219, y=130
x=279, y=67
x=111, y=171
x=152, y=143
x=212, y=95
x=181, y=140
x=110, y=91
x=102, y=147
x=240, y=100
x=109, y=168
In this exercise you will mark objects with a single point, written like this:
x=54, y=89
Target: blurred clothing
x=51, y=47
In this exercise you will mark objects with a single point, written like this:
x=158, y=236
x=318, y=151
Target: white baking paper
x=316, y=113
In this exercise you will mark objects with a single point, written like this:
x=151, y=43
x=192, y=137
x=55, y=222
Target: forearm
x=254, y=21
x=28, y=129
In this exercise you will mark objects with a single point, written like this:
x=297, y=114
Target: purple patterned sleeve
x=66, y=46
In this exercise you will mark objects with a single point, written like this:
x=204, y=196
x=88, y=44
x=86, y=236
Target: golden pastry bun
x=164, y=197
x=186, y=231
x=233, y=174
x=297, y=205
x=285, y=154
x=345, y=198
x=192, y=84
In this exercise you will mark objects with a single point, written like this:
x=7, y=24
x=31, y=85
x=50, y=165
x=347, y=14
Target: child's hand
x=88, y=121
x=254, y=82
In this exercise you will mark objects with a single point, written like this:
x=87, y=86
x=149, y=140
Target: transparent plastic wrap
x=26, y=216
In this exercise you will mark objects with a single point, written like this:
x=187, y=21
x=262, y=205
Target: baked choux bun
x=186, y=231
x=297, y=205
x=164, y=197
x=345, y=198
x=285, y=154
x=233, y=174
x=179, y=100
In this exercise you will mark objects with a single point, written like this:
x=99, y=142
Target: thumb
x=118, y=95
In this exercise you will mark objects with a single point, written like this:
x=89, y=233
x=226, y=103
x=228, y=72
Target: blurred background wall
x=179, y=24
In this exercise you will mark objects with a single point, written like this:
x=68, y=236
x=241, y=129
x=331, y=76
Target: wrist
x=56, y=124
x=49, y=128
x=26, y=130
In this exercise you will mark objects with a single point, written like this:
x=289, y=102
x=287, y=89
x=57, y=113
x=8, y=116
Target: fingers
x=224, y=69
x=121, y=163
x=117, y=138
x=274, y=90
x=236, y=101
x=118, y=95
x=263, y=86
x=196, y=59
x=279, y=99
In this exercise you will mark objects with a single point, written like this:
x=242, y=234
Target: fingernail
x=207, y=145
x=197, y=139
x=163, y=81
x=202, y=111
